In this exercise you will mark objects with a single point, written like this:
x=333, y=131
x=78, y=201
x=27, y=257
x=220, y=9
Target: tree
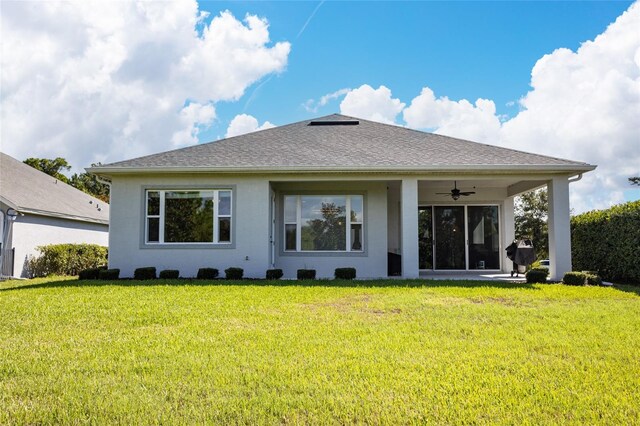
x=531, y=213
x=50, y=167
x=635, y=180
x=85, y=182
x=89, y=183
x=328, y=233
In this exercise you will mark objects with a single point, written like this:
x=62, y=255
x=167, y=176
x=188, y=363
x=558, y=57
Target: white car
x=544, y=263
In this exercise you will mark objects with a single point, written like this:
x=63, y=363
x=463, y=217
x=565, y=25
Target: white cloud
x=583, y=106
x=102, y=81
x=461, y=119
x=371, y=104
x=244, y=123
x=192, y=117
x=313, y=106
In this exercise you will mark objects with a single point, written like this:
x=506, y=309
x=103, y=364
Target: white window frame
x=298, y=224
x=161, y=216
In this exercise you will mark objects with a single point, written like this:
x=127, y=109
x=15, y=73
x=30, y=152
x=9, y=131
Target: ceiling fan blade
x=467, y=193
x=443, y=193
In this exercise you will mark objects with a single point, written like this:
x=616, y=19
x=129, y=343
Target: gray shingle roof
x=30, y=191
x=366, y=146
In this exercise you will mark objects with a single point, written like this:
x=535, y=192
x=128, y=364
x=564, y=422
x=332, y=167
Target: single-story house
x=37, y=209
x=332, y=192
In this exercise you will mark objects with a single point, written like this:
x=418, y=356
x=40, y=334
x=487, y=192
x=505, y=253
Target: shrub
x=108, y=274
x=146, y=273
x=345, y=273
x=234, y=273
x=89, y=274
x=274, y=274
x=66, y=259
x=537, y=275
x=575, y=278
x=169, y=274
x=607, y=241
x=593, y=279
x=306, y=274
x=207, y=274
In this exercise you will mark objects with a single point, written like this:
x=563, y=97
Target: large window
x=321, y=223
x=188, y=216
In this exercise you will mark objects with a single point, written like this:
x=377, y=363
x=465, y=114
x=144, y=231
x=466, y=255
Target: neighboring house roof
x=340, y=143
x=31, y=191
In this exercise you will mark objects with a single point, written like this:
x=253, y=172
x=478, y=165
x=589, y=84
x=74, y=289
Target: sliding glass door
x=425, y=238
x=449, y=237
x=458, y=237
x=484, y=241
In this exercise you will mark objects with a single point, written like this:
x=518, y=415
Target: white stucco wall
x=252, y=221
x=372, y=263
x=250, y=227
x=31, y=231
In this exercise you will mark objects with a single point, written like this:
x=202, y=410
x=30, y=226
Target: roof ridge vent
x=334, y=123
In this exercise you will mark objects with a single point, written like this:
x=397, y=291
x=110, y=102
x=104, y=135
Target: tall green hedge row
x=66, y=259
x=608, y=241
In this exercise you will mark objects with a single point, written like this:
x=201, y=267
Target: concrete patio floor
x=474, y=276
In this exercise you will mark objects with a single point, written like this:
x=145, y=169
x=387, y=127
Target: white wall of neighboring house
x=30, y=231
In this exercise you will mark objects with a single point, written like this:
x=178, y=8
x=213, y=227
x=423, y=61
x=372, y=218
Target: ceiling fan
x=455, y=192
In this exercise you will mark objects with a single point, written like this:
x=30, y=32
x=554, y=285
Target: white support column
x=410, y=228
x=508, y=233
x=559, y=227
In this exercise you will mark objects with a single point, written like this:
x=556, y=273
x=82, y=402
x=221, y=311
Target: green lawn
x=365, y=352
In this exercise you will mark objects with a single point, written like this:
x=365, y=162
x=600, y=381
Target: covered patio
x=441, y=235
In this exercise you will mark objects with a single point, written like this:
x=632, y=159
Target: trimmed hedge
x=607, y=241
x=274, y=274
x=66, y=259
x=146, y=273
x=207, y=274
x=345, y=273
x=575, y=278
x=109, y=274
x=234, y=273
x=306, y=274
x=89, y=274
x=169, y=274
x=593, y=279
x=537, y=275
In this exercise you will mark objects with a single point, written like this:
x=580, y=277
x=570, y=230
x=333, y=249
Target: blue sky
x=461, y=50
x=95, y=81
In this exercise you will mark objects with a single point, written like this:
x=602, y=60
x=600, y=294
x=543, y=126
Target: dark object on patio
x=394, y=264
x=521, y=253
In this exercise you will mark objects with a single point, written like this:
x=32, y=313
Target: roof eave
x=58, y=215
x=9, y=203
x=482, y=168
